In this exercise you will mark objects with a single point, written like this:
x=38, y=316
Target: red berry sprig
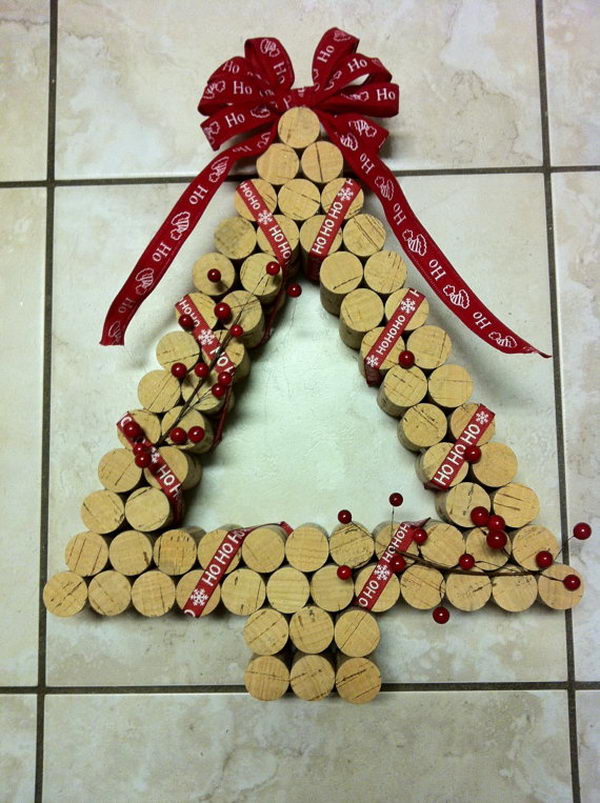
x=440, y=615
x=201, y=370
x=571, y=582
x=544, y=559
x=222, y=311
x=582, y=531
x=272, y=268
x=420, y=536
x=472, y=454
x=179, y=370
x=236, y=330
x=496, y=539
x=196, y=434
x=186, y=322
x=466, y=561
x=396, y=499
x=397, y=563
x=132, y=430
x=344, y=517
x=480, y=516
x=178, y=435
x=294, y=291
x=344, y=572
x=406, y=359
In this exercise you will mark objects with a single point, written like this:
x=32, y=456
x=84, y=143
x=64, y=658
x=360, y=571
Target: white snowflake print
x=373, y=362
x=205, y=337
x=482, y=418
x=408, y=305
x=382, y=572
x=264, y=218
x=199, y=597
x=345, y=194
x=155, y=456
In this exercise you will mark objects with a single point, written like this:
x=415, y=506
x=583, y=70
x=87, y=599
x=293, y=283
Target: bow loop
x=269, y=61
x=334, y=44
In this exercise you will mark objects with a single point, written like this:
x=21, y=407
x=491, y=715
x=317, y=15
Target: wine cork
x=450, y=385
x=528, y=541
x=422, y=426
x=153, y=593
x=418, y=318
x=247, y=312
x=288, y=590
x=102, y=512
x=468, y=592
x=86, y=554
x=552, y=591
x=357, y=680
x=357, y=633
x=308, y=235
x=243, y=592
x=235, y=238
x=428, y=463
x=367, y=344
x=497, y=466
x=184, y=465
x=266, y=191
x=158, y=391
x=311, y=629
x=361, y=311
x=191, y=418
x=459, y=418
x=321, y=162
x=351, y=545
x=187, y=584
x=401, y=388
x=307, y=548
x=148, y=509
x=292, y=234
x=298, y=127
x=197, y=392
x=330, y=191
x=266, y=632
x=109, y=593
x=118, y=472
x=517, y=504
x=312, y=677
x=430, y=345
x=130, y=552
x=383, y=535
x=263, y=549
x=211, y=541
x=299, y=199
x=388, y=597
x=444, y=545
x=177, y=347
x=65, y=594
x=455, y=505
x=175, y=551
x=149, y=423
x=256, y=280
x=267, y=677
x=422, y=587
x=385, y=272
x=363, y=235
x=236, y=351
x=486, y=559
x=215, y=261
x=340, y=274
x=329, y=591
x=512, y=590
x=205, y=306
x=278, y=164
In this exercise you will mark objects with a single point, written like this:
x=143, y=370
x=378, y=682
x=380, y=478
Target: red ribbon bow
x=252, y=92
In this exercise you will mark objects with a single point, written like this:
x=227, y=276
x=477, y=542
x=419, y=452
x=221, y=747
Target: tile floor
x=498, y=147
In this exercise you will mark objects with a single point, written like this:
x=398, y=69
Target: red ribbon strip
x=330, y=227
x=253, y=91
x=450, y=466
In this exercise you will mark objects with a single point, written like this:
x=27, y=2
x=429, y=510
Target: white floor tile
x=17, y=746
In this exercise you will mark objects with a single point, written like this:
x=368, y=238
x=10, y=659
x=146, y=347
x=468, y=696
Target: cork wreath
x=310, y=596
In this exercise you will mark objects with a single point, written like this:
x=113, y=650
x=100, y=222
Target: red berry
x=225, y=378
x=496, y=539
x=186, y=322
x=222, y=311
x=236, y=330
x=466, y=561
x=294, y=290
x=496, y=523
x=441, y=615
x=582, y=530
x=201, y=370
x=472, y=454
x=479, y=516
x=178, y=435
x=272, y=268
x=397, y=563
x=196, y=434
x=179, y=370
x=218, y=391
x=571, y=582
x=544, y=559
x=344, y=572
x=420, y=536
x=132, y=430
x=406, y=359
x=142, y=460
x=396, y=500
x=139, y=448
x=344, y=517
x=214, y=275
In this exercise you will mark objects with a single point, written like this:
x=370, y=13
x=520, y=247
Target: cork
x=86, y=554
x=361, y=311
x=388, y=597
x=288, y=590
x=468, y=592
x=552, y=591
x=299, y=199
x=236, y=351
x=158, y=391
x=278, y=164
x=102, y=512
x=65, y=594
x=450, y=385
x=486, y=559
x=266, y=632
x=209, y=543
x=175, y=551
x=497, y=467
x=267, y=677
x=357, y=680
x=455, y=505
x=247, y=312
x=149, y=423
x=420, y=315
x=215, y=261
x=351, y=545
x=187, y=584
x=430, y=345
x=528, y=541
x=363, y=235
x=148, y=509
x=340, y=274
x=118, y=472
x=422, y=587
x=312, y=677
x=422, y=426
x=385, y=272
x=130, y=552
x=367, y=344
x=298, y=127
x=266, y=191
x=383, y=534
x=153, y=593
x=292, y=234
x=357, y=633
x=205, y=306
x=428, y=463
x=444, y=545
x=331, y=189
x=309, y=232
x=198, y=393
x=401, y=388
x=517, y=504
x=177, y=347
x=184, y=465
x=460, y=417
x=109, y=593
x=263, y=549
x=235, y=238
x=243, y=592
x=256, y=280
x=514, y=591
x=329, y=592
x=191, y=418
x=321, y=162
x=307, y=548
x=311, y=629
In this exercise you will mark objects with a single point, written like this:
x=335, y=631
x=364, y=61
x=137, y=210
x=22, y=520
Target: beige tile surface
x=22, y=241
x=17, y=746
x=588, y=719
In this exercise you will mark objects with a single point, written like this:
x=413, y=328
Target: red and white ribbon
x=205, y=336
x=329, y=227
x=450, y=466
x=266, y=222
